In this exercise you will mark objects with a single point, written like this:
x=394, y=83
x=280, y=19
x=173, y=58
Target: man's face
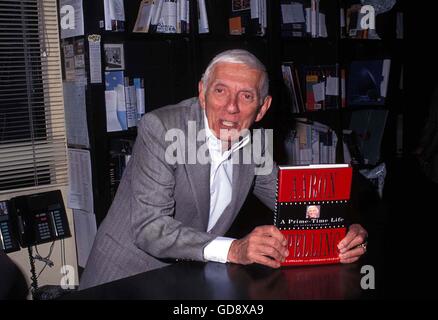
x=231, y=100
x=313, y=212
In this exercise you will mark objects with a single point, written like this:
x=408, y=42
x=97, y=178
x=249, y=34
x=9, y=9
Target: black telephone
x=40, y=218
x=8, y=230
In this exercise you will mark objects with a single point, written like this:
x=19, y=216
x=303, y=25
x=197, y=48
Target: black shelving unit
x=172, y=65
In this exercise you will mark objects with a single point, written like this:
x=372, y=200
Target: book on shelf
x=212, y=16
x=312, y=211
x=292, y=83
x=124, y=101
x=140, y=97
x=203, y=21
x=247, y=17
x=302, y=18
x=163, y=16
x=293, y=20
x=114, y=12
x=168, y=17
x=131, y=104
x=314, y=87
x=322, y=87
x=115, y=101
x=368, y=82
x=145, y=13
x=310, y=142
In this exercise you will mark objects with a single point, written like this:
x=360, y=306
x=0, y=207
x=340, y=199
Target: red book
x=312, y=211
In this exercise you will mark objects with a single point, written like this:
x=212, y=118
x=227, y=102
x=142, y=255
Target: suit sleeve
x=265, y=187
x=154, y=228
x=265, y=184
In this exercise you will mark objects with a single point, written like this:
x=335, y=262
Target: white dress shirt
x=221, y=180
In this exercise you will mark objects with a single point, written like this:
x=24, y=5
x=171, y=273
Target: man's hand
x=264, y=245
x=350, y=247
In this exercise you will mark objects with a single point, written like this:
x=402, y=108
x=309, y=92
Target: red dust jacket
x=312, y=211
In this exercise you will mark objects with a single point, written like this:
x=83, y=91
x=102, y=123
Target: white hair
x=243, y=57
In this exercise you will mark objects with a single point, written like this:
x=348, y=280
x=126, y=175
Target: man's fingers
x=349, y=260
x=265, y=245
x=274, y=243
x=347, y=239
x=356, y=234
x=354, y=243
x=278, y=255
x=353, y=253
x=260, y=259
x=271, y=231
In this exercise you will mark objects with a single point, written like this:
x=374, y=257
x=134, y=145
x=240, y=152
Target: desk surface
x=196, y=280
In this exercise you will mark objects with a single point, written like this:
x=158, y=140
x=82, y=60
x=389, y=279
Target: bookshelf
x=172, y=64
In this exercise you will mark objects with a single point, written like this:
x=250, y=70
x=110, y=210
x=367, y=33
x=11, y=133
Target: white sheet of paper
x=85, y=231
x=292, y=13
x=117, y=10
x=322, y=32
x=80, y=77
x=107, y=14
x=308, y=17
x=385, y=74
x=331, y=86
x=112, y=123
x=319, y=91
x=342, y=13
x=69, y=66
x=95, y=59
x=79, y=61
x=68, y=51
x=203, y=26
x=78, y=14
x=75, y=114
x=254, y=5
x=263, y=15
x=80, y=195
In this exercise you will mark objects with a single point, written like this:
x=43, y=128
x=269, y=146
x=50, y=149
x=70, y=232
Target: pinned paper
x=331, y=86
x=319, y=91
x=95, y=58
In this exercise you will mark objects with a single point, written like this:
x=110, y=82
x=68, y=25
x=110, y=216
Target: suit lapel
x=199, y=174
x=199, y=178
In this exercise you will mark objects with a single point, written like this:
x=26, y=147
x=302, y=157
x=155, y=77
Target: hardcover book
x=312, y=211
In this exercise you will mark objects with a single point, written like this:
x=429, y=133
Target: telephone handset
x=40, y=218
x=8, y=230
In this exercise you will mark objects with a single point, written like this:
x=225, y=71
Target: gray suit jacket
x=161, y=211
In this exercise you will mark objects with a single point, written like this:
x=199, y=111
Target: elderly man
x=169, y=210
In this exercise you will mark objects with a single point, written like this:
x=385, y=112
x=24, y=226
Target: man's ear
x=201, y=95
x=264, y=108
